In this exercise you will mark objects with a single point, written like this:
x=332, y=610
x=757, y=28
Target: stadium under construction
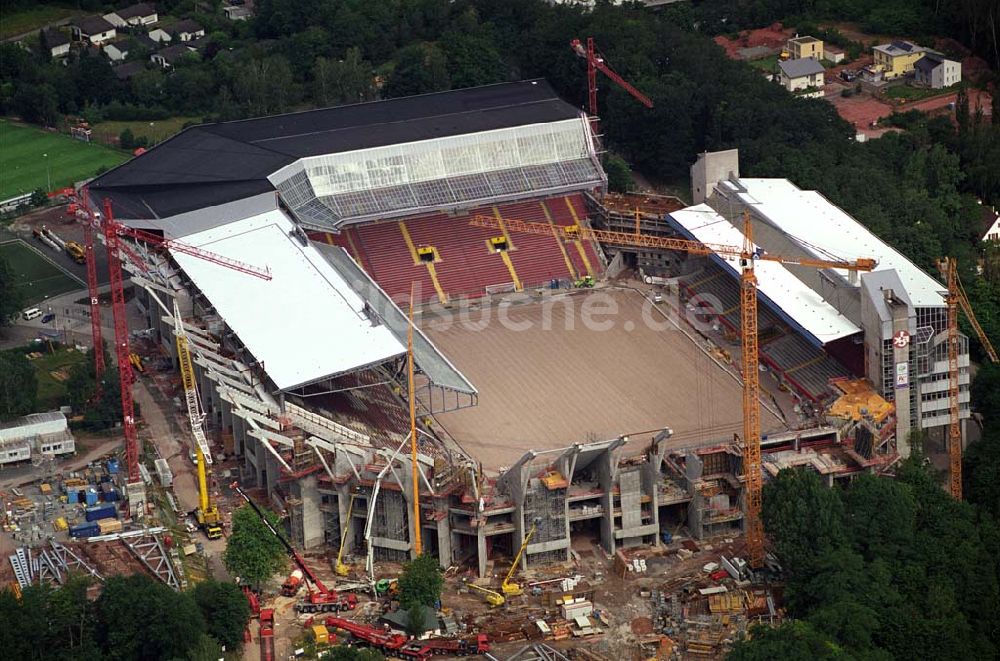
x=528, y=411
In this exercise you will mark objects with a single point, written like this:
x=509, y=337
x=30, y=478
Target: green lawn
x=24, y=166
x=909, y=93
x=38, y=278
x=26, y=20
x=767, y=64
x=156, y=131
x=51, y=390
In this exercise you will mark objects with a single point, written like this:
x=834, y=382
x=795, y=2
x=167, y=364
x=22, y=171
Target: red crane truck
x=398, y=645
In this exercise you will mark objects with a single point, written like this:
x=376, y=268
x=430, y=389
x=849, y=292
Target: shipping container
x=112, y=466
x=84, y=530
x=105, y=511
x=91, y=496
x=72, y=496
x=109, y=526
x=112, y=496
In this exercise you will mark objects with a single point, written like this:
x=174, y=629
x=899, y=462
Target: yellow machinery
x=747, y=254
x=956, y=297
x=493, y=598
x=207, y=513
x=513, y=589
x=340, y=567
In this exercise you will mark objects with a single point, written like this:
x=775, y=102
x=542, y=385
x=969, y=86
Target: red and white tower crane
x=595, y=63
x=113, y=233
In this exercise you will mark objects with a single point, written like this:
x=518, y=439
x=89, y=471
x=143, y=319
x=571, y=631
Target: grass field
x=23, y=168
x=52, y=388
x=37, y=278
x=767, y=64
x=26, y=20
x=909, y=93
x=156, y=131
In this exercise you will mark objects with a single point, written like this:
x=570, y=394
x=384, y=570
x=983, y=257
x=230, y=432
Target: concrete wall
x=710, y=169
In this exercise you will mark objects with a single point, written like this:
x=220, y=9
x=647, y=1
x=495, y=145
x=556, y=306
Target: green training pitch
x=24, y=166
x=38, y=278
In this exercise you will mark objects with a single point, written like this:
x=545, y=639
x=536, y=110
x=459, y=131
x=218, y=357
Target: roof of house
x=32, y=425
x=214, y=163
x=897, y=48
x=173, y=53
x=987, y=218
x=823, y=229
x=55, y=38
x=129, y=69
x=801, y=67
x=186, y=25
x=139, y=10
x=804, y=40
x=120, y=44
x=90, y=25
x=775, y=283
x=306, y=297
x=145, y=42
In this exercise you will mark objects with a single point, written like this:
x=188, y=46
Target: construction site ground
x=557, y=383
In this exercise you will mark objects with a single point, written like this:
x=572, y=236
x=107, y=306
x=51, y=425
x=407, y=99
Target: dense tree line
x=134, y=618
x=881, y=569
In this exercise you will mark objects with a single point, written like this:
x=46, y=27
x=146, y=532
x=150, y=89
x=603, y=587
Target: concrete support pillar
x=481, y=552
x=444, y=543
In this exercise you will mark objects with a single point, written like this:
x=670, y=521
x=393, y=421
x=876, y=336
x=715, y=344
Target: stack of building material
x=574, y=608
x=163, y=471
x=109, y=526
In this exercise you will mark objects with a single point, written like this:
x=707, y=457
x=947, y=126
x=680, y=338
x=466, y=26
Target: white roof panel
x=795, y=298
x=305, y=323
x=825, y=230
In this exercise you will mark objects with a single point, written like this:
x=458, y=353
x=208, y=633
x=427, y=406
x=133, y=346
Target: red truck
x=266, y=634
x=398, y=645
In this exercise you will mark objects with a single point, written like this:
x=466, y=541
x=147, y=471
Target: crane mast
x=595, y=63
x=747, y=254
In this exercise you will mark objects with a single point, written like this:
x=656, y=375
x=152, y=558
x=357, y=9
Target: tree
x=206, y=648
x=126, y=139
x=619, y=175
x=420, y=583
x=139, y=618
x=225, y=609
x=18, y=385
x=420, y=68
x=344, y=81
x=38, y=104
x=472, y=59
x=792, y=640
x=252, y=552
x=11, y=297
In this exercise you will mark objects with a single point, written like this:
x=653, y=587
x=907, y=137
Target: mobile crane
x=400, y=646
x=493, y=598
x=747, y=254
x=955, y=297
x=340, y=567
x=207, y=514
x=513, y=589
x=321, y=599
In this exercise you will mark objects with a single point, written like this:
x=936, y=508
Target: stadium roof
x=212, y=164
x=303, y=325
x=825, y=231
x=789, y=296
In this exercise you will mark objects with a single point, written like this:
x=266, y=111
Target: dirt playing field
x=542, y=386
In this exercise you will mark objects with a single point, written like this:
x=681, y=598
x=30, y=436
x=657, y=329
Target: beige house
x=804, y=77
x=805, y=47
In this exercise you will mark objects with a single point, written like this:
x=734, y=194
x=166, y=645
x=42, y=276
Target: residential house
x=238, y=12
x=117, y=51
x=93, y=29
x=55, y=42
x=135, y=15
x=802, y=74
x=160, y=36
x=171, y=55
x=833, y=54
x=897, y=58
x=129, y=69
x=805, y=47
x=990, y=225
x=45, y=433
x=937, y=71
x=187, y=30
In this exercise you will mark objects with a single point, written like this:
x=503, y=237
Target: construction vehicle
x=586, y=282
x=747, y=254
x=292, y=584
x=76, y=252
x=955, y=297
x=400, y=646
x=386, y=586
x=493, y=598
x=207, y=514
x=513, y=589
x=320, y=598
x=266, y=634
x=340, y=568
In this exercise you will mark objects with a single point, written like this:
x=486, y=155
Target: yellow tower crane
x=954, y=298
x=207, y=514
x=747, y=254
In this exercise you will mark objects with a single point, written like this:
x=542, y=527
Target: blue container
x=112, y=496
x=84, y=530
x=73, y=496
x=112, y=466
x=91, y=496
x=105, y=511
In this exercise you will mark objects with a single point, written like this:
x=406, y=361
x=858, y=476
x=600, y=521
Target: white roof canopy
x=824, y=230
x=795, y=298
x=304, y=324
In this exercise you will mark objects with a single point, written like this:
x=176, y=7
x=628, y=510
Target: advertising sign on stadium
x=900, y=339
